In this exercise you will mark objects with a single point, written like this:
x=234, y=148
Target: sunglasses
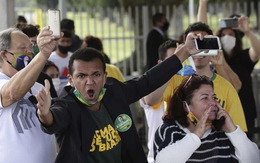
x=195, y=76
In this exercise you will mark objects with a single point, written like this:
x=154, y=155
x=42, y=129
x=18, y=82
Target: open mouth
x=91, y=93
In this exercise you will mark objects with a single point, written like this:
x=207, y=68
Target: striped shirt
x=214, y=148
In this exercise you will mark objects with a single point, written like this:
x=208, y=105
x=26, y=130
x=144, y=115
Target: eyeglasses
x=200, y=77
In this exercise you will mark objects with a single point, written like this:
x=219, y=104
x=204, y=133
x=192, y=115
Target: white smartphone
x=228, y=23
x=209, y=42
x=54, y=22
x=209, y=53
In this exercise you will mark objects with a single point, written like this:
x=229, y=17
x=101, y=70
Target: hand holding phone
x=218, y=123
x=54, y=22
x=208, y=43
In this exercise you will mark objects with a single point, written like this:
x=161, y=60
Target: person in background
x=61, y=58
x=241, y=61
x=53, y=71
x=32, y=32
x=197, y=129
x=155, y=38
x=21, y=20
x=155, y=103
x=85, y=117
x=76, y=41
x=21, y=136
x=96, y=43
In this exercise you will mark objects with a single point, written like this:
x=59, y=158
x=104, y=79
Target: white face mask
x=228, y=42
x=56, y=83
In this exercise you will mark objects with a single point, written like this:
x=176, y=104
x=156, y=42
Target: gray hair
x=5, y=38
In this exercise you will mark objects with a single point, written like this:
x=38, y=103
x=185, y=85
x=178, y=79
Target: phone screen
x=208, y=43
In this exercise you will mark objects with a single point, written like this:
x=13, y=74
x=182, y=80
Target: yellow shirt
x=226, y=94
x=113, y=71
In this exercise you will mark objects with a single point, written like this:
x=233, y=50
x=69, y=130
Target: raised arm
x=225, y=71
x=254, y=50
x=202, y=11
x=181, y=52
x=23, y=80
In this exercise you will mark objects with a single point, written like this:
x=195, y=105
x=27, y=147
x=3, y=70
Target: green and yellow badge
x=123, y=122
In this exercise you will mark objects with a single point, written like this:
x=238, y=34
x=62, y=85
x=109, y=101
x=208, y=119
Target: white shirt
x=21, y=137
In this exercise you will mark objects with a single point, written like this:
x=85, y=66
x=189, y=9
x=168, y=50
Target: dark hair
x=21, y=19
x=66, y=34
x=49, y=64
x=86, y=54
x=67, y=24
x=238, y=45
x=184, y=92
x=197, y=26
x=28, y=29
x=93, y=42
x=157, y=17
x=165, y=46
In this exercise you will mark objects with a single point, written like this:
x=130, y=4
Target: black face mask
x=64, y=49
x=165, y=26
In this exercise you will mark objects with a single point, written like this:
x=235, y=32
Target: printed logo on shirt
x=105, y=139
x=65, y=72
x=23, y=116
x=221, y=102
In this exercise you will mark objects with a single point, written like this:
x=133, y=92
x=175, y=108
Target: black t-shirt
x=106, y=143
x=243, y=66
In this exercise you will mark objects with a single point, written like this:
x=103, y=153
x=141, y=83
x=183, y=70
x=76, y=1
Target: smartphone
x=228, y=23
x=209, y=53
x=208, y=43
x=218, y=123
x=54, y=22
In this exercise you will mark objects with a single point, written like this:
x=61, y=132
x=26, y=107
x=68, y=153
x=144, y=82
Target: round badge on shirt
x=123, y=122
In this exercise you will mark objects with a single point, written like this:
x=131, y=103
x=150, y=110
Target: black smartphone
x=228, y=23
x=218, y=123
x=208, y=43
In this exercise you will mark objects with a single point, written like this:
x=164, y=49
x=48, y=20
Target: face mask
x=64, y=49
x=165, y=26
x=84, y=101
x=21, y=60
x=191, y=116
x=228, y=42
x=56, y=83
x=35, y=50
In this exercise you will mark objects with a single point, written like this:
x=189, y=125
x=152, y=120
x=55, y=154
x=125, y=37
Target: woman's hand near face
x=202, y=125
x=228, y=125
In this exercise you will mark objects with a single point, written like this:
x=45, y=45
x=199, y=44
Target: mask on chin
x=63, y=49
x=86, y=102
x=193, y=118
x=190, y=115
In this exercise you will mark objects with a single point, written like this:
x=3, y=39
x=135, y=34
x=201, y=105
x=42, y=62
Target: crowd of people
x=64, y=97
